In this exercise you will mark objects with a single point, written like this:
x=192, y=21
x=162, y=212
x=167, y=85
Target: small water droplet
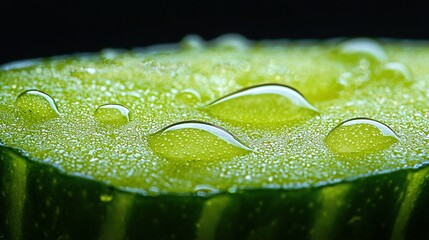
x=362, y=48
x=188, y=96
x=360, y=136
x=195, y=140
x=38, y=104
x=395, y=71
x=262, y=104
x=233, y=189
x=113, y=114
x=204, y=190
x=232, y=41
x=106, y=198
x=192, y=42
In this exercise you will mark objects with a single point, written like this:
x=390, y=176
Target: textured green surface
x=342, y=80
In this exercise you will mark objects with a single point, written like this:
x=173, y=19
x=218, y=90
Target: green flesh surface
x=277, y=144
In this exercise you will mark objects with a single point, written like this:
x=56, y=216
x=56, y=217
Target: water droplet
x=204, y=190
x=395, y=71
x=106, y=198
x=192, y=42
x=113, y=114
x=38, y=104
x=232, y=42
x=360, y=136
x=362, y=48
x=262, y=104
x=188, y=96
x=195, y=140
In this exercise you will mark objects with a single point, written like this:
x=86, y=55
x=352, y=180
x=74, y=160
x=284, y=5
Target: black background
x=32, y=29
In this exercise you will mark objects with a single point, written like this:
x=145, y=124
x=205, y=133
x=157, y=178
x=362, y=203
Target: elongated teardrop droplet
x=113, y=114
x=195, y=140
x=263, y=104
x=360, y=136
x=35, y=103
x=359, y=48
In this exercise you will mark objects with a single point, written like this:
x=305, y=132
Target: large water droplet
x=113, y=114
x=362, y=48
x=194, y=140
x=395, y=71
x=263, y=104
x=35, y=103
x=360, y=136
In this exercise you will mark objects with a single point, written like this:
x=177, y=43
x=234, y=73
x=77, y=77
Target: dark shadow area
x=45, y=28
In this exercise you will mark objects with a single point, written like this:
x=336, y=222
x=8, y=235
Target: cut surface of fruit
x=225, y=115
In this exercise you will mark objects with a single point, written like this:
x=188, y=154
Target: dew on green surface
x=267, y=104
x=194, y=140
x=360, y=136
x=149, y=82
x=112, y=114
x=362, y=48
x=37, y=105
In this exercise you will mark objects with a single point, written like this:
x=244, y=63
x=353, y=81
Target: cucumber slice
x=220, y=140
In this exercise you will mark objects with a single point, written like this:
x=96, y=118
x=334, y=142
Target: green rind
x=58, y=206
x=13, y=191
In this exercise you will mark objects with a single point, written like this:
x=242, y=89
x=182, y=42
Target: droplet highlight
x=362, y=48
x=267, y=104
x=360, y=136
x=112, y=114
x=37, y=105
x=195, y=140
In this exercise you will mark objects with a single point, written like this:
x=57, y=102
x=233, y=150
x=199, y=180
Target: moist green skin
x=163, y=88
x=291, y=185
